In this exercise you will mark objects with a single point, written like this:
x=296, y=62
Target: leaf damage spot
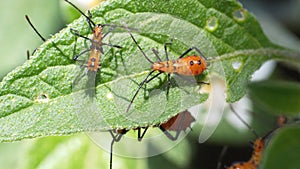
x=236, y=65
x=212, y=24
x=42, y=98
x=239, y=15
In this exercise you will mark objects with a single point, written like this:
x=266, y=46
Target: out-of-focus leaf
x=277, y=96
x=283, y=149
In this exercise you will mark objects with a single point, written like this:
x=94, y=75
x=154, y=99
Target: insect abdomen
x=188, y=66
x=93, y=62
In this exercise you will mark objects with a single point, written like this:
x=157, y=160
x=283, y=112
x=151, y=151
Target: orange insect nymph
x=258, y=147
x=255, y=159
x=243, y=165
x=93, y=62
x=187, y=66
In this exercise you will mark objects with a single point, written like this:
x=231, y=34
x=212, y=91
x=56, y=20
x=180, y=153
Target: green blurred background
x=279, y=19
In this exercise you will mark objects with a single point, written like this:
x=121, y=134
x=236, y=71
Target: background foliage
x=49, y=155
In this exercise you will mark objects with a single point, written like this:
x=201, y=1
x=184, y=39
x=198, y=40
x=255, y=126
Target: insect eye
x=199, y=62
x=191, y=63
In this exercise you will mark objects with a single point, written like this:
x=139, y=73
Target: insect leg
x=112, y=27
x=169, y=83
x=115, y=138
x=141, y=136
x=155, y=51
x=201, y=54
x=81, y=53
x=179, y=128
x=116, y=46
x=75, y=32
x=140, y=86
x=190, y=49
x=111, y=148
x=166, y=52
x=89, y=20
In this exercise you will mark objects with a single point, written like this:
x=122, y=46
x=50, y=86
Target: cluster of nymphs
x=185, y=65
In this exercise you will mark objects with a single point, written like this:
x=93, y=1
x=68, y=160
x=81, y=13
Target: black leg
x=169, y=83
x=81, y=53
x=115, y=138
x=111, y=148
x=155, y=51
x=141, y=136
x=166, y=52
x=115, y=46
x=89, y=20
x=146, y=80
x=75, y=32
x=110, y=30
x=184, y=53
x=190, y=49
x=201, y=54
x=179, y=128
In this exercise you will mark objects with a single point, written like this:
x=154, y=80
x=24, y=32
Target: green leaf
x=36, y=99
x=283, y=149
x=65, y=152
x=277, y=96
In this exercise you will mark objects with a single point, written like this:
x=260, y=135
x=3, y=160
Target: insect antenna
x=87, y=17
x=35, y=30
x=134, y=40
x=28, y=55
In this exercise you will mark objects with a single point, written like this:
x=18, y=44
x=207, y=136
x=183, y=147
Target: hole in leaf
x=42, y=98
x=239, y=15
x=236, y=65
x=212, y=24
